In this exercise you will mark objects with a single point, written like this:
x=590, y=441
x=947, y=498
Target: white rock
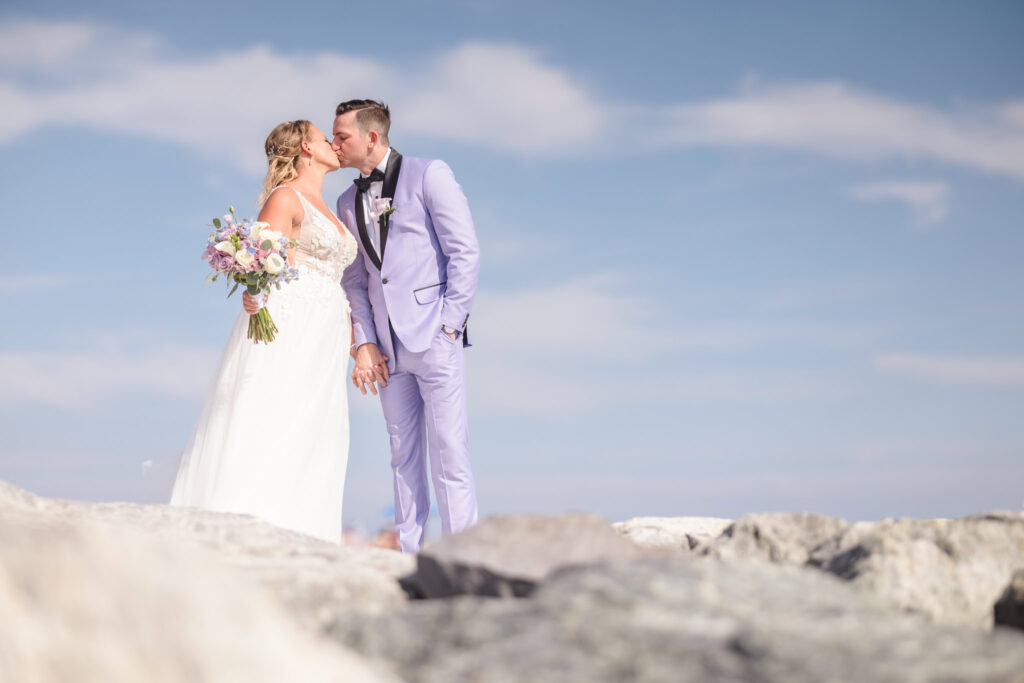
x=672, y=533
x=86, y=602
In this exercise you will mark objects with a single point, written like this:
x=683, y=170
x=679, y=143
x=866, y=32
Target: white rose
x=273, y=264
x=226, y=247
x=244, y=258
x=273, y=236
x=257, y=228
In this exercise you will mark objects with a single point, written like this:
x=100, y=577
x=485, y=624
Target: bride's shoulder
x=281, y=197
x=282, y=207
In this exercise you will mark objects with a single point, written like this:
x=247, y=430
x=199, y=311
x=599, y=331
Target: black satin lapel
x=394, y=167
x=363, y=235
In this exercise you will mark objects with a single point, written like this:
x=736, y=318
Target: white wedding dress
x=272, y=437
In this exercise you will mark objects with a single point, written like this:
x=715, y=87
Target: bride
x=272, y=437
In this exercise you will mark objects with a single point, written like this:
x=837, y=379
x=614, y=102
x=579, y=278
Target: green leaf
x=232, y=290
x=253, y=290
x=216, y=223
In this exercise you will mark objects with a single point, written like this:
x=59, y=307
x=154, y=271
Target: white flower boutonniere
x=382, y=207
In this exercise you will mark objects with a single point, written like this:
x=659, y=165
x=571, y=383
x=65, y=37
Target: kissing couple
x=390, y=285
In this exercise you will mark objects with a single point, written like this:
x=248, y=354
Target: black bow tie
x=364, y=183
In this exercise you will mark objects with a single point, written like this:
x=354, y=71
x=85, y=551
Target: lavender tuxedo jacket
x=427, y=275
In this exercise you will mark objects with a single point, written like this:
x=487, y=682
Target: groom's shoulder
x=420, y=167
x=348, y=195
x=415, y=164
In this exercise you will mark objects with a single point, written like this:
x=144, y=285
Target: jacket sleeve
x=354, y=282
x=453, y=224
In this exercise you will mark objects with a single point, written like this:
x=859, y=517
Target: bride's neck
x=311, y=180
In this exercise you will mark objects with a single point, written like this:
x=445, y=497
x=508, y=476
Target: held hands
x=371, y=366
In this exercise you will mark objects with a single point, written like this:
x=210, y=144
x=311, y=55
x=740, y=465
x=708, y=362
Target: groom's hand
x=371, y=366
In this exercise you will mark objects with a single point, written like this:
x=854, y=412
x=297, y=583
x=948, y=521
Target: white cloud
x=500, y=96
x=992, y=370
x=593, y=318
x=73, y=380
x=27, y=284
x=927, y=200
x=598, y=341
x=836, y=120
x=505, y=97
x=214, y=104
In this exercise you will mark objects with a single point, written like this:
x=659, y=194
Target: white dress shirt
x=376, y=188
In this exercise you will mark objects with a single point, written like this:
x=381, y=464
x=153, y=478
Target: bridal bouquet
x=249, y=253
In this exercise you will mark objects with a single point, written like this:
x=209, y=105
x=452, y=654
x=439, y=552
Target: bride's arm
x=283, y=212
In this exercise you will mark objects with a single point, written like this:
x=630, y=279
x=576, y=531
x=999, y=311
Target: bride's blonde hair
x=283, y=148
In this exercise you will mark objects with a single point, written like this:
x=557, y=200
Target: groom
x=411, y=294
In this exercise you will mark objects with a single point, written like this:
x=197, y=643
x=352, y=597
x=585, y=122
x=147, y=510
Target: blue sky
x=736, y=257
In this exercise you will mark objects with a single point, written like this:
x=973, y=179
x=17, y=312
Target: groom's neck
x=374, y=160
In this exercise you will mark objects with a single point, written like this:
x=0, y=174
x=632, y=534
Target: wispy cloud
x=1003, y=370
x=27, y=284
x=136, y=88
x=928, y=200
x=837, y=120
x=569, y=347
x=74, y=380
x=90, y=75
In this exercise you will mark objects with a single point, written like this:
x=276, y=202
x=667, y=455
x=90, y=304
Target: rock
x=953, y=571
x=84, y=601
x=313, y=578
x=785, y=537
x=506, y=556
x=679, y=619
x=1009, y=610
x=672, y=533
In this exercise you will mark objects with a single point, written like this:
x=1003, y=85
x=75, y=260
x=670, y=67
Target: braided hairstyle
x=284, y=149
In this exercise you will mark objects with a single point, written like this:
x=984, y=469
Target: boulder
x=672, y=533
x=314, y=579
x=84, y=601
x=953, y=571
x=678, y=619
x=506, y=556
x=1009, y=609
x=784, y=537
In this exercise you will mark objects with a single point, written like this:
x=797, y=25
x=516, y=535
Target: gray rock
x=89, y=602
x=680, y=619
x=1009, y=610
x=784, y=537
x=672, y=533
x=505, y=556
x=313, y=578
x=953, y=571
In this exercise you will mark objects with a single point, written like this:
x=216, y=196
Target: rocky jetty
x=122, y=592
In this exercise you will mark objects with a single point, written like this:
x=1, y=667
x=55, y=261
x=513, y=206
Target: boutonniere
x=382, y=207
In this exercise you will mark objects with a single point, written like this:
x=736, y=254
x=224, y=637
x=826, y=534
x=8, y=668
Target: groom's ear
x=374, y=136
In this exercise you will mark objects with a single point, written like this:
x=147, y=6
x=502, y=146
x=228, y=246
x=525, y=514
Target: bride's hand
x=249, y=304
x=371, y=366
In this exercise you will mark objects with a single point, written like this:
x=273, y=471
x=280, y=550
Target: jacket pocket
x=429, y=294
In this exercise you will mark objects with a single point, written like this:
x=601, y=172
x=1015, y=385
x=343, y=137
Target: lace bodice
x=322, y=249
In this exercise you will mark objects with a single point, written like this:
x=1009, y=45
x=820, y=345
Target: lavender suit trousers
x=424, y=406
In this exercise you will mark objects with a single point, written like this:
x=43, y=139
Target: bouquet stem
x=261, y=327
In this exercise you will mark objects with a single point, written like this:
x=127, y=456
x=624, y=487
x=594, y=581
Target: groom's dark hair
x=370, y=115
